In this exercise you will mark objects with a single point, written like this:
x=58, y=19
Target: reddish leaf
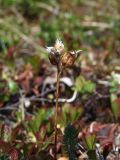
x=13, y=154
x=10, y=52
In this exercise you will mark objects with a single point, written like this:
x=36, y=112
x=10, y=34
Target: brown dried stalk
x=56, y=108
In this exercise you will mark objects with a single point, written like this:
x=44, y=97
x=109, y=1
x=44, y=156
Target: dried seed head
x=69, y=58
x=59, y=46
x=55, y=52
x=58, y=56
x=54, y=57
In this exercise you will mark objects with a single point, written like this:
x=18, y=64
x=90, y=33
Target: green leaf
x=79, y=83
x=92, y=155
x=84, y=86
x=89, y=141
x=12, y=86
x=89, y=86
x=42, y=116
x=69, y=115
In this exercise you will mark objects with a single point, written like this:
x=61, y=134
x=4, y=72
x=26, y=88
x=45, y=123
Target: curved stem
x=56, y=109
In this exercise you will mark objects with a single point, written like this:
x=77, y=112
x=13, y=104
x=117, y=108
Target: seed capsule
x=55, y=52
x=69, y=58
x=58, y=56
x=54, y=57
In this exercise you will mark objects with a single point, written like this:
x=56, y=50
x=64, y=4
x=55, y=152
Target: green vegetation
x=89, y=92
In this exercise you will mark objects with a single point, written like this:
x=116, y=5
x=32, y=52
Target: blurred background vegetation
x=26, y=28
x=39, y=22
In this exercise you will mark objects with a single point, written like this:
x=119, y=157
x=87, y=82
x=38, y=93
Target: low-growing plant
x=89, y=141
x=69, y=115
x=62, y=59
x=114, y=99
x=70, y=141
x=84, y=86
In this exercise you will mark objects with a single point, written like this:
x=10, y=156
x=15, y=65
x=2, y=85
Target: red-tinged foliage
x=105, y=133
x=10, y=52
x=1, y=104
x=118, y=101
x=23, y=60
x=24, y=78
x=5, y=130
x=13, y=154
x=5, y=146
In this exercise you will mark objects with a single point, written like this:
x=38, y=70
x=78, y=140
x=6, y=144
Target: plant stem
x=56, y=109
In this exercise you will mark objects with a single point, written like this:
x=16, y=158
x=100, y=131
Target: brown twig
x=56, y=109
